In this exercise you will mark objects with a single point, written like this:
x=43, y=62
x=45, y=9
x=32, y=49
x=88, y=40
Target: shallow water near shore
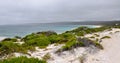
x=22, y=30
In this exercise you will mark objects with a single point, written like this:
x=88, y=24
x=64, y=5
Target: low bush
x=87, y=42
x=72, y=43
x=10, y=47
x=22, y=60
x=81, y=31
x=37, y=40
x=92, y=37
x=98, y=45
x=105, y=37
x=54, y=39
x=17, y=37
x=47, y=33
x=10, y=39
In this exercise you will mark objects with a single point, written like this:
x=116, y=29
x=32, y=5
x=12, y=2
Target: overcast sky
x=42, y=11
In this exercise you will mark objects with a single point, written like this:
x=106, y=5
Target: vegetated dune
x=110, y=40
x=110, y=53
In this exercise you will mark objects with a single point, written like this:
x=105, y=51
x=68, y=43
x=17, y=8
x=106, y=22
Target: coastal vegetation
x=105, y=37
x=10, y=39
x=81, y=31
x=22, y=59
x=46, y=56
x=9, y=47
x=71, y=39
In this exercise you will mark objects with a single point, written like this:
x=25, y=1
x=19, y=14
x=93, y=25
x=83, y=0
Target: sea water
x=22, y=30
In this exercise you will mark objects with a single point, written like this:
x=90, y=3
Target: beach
x=109, y=54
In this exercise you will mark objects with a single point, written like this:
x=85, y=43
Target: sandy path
x=112, y=48
x=111, y=52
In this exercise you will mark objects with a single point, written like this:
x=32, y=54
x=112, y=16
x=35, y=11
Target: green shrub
x=81, y=31
x=96, y=35
x=105, y=37
x=17, y=37
x=10, y=39
x=72, y=44
x=54, y=38
x=92, y=37
x=47, y=33
x=8, y=47
x=22, y=60
x=37, y=40
x=98, y=45
x=65, y=37
x=87, y=42
x=68, y=45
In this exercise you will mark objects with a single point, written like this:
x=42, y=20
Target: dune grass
x=106, y=37
x=22, y=59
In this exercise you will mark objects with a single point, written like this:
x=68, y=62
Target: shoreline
x=89, y=26
x=79, y=54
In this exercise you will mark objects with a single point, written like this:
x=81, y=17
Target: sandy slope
x=111, y=52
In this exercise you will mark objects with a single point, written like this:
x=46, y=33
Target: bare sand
x=1, y=38
x=111, y=52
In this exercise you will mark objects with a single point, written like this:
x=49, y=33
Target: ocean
x=24, y=29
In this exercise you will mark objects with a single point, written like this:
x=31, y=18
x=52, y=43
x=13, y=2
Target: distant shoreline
x=22, y=30
x=73, y=22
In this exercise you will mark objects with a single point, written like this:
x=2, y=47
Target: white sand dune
x=110, y=54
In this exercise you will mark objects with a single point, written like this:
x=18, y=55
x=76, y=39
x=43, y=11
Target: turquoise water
x=22, y=30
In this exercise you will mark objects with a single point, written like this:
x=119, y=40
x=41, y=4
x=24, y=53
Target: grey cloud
x=29, y=11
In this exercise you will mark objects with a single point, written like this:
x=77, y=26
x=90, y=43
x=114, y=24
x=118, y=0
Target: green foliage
x=37, y=40
x=9, y=39
x=92, y=37
x=72, y=43
x=47, y=33
x=98, y=45
x=81, y=31
x=96, y=35
x=68, y=45
x=105, y=37
x=54, y=38
x=65, y=37
x=88, y=42
x=10, y=47
x=17, y=37
x=41, y=40
x=22, y=60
